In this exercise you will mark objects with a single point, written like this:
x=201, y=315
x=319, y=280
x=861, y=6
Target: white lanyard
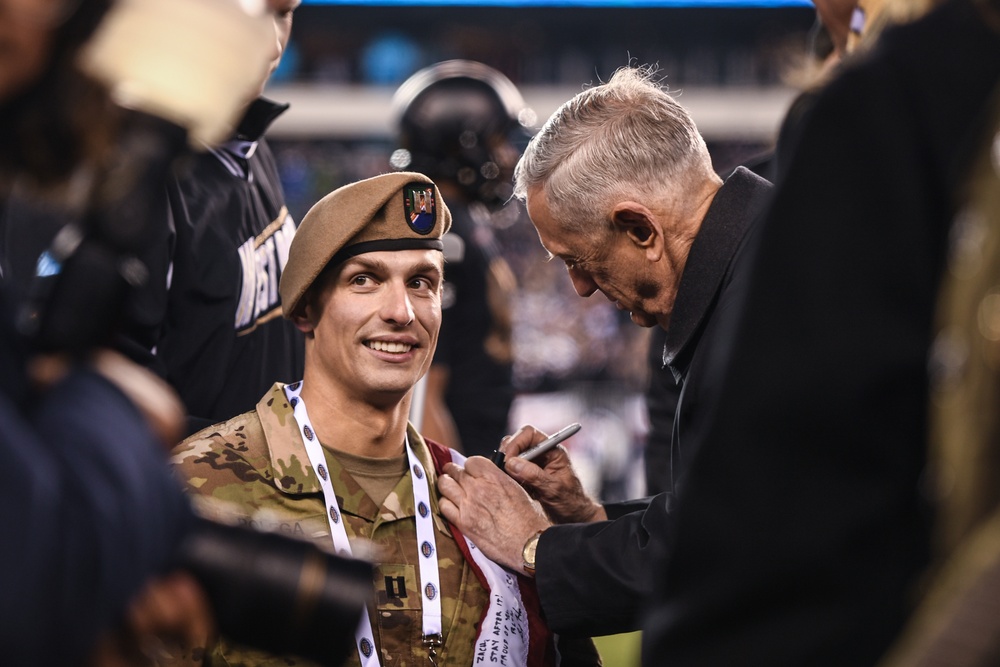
x=429, y=577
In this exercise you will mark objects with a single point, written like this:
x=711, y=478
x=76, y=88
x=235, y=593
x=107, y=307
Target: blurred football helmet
x=464, y=122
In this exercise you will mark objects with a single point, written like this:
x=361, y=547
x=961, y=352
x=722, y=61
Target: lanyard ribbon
x=429, y=576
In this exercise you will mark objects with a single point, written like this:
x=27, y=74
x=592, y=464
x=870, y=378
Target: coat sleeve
x=593, y=578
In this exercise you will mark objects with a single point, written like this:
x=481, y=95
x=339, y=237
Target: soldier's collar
x=399, y=503
x=290, y=464
x=292, y=472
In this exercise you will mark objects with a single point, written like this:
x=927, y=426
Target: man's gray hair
x=625, y=136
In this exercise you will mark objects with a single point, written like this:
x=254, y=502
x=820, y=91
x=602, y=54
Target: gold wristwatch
x=528, y=553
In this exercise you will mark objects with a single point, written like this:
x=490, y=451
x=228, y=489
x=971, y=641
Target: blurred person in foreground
x=90, y=509
x=456, y=121
x=803, y=531
x=620, y=187
x=958, y=620
x=208, y=317
x=363, y=283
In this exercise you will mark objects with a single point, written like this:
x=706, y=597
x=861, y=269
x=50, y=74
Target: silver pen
x=545, y=445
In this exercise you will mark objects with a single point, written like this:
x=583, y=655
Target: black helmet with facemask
x=461, y=121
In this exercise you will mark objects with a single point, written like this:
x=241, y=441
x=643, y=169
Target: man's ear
x=303, y=317
x=640, y=226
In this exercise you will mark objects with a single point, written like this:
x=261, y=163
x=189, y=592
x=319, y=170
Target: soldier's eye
x=420, y=283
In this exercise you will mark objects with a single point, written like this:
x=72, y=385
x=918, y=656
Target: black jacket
x=594, y=579
x=218, y=334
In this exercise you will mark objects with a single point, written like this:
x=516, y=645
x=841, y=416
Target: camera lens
x=279, y=594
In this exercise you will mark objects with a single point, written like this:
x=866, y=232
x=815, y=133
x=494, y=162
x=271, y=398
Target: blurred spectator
x=208, y=319
x=90, y=511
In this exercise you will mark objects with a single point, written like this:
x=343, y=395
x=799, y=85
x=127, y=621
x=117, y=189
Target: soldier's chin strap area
x=429, y=576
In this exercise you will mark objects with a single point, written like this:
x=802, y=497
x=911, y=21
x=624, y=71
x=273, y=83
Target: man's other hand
x=550, y=479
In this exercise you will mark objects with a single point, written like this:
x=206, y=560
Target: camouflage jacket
x=254, y=470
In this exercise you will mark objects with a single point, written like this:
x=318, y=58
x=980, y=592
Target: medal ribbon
x=504, y=636
x=427, y=545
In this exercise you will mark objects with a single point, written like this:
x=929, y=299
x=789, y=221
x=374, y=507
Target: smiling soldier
x=363, y=283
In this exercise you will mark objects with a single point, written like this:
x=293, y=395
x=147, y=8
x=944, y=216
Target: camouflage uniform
x=253, y=469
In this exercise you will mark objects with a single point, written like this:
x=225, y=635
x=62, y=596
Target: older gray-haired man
x=619, y=185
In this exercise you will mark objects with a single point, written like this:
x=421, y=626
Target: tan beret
x=398, y=211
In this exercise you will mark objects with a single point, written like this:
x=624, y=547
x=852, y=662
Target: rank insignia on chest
x=395, y=587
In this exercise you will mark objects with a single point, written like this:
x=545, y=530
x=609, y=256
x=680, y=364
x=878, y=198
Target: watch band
x=528, y=553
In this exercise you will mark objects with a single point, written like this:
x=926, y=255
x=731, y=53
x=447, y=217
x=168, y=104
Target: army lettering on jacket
x=262, y=259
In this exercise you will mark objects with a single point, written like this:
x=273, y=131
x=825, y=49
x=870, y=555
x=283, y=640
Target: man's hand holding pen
x=550, y=479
